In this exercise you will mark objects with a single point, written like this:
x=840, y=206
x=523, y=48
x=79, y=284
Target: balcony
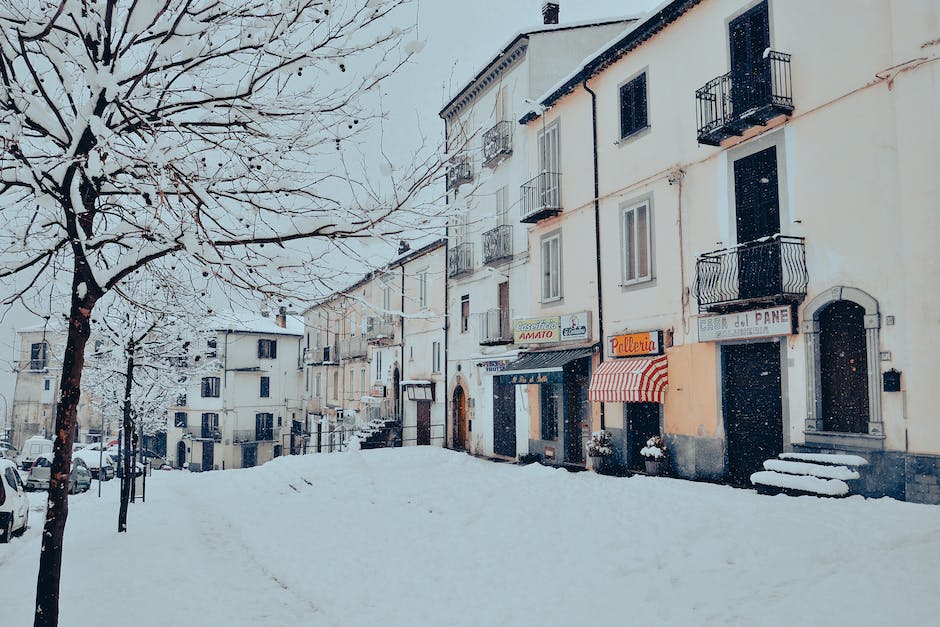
x=766, y=272
x=732, y=103
x=495, y=328
x=380, y=329
x=459, y=172
x=319, y=355
x=354, y=346
x=541, y=197
x=497, y=243
x=497, y=143
x=460, y=259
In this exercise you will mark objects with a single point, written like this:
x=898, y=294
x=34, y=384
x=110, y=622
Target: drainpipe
x=597, y=236
x=446, y=302
x=400, y=404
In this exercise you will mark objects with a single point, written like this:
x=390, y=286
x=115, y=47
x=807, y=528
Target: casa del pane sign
x=770, y=322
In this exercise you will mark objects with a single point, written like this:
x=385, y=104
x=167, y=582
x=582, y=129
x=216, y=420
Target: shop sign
x=378, y=390
x=495, y=365
x=576, y=327
x=747, y=324
x=635, y=344
x=531, y=378
x=536, y=330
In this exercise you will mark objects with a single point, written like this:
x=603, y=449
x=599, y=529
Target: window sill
x=640, y=284
x=640, y=132
x=552, y=301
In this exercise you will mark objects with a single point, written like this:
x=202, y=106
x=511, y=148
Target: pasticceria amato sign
x=567, y=328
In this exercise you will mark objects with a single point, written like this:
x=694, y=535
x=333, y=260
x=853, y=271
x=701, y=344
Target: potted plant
x=655, y=454
x=600, y=444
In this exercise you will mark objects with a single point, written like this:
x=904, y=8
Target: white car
x=95, y=458
x=32, y=448
x=14, y=504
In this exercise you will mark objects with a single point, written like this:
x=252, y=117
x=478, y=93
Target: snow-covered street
x=423, y=536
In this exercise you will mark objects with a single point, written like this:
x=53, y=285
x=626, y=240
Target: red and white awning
x=634, y=380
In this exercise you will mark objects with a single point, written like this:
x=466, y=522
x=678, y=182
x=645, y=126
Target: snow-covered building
x=749, y=306
x=38, y=369
x=489, y=247
x=245, y=407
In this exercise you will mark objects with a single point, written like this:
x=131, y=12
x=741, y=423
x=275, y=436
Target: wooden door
x=424, y=423
x=752, y=407
x=749, y=37
x=180, y=454
x=460, y=419
x=757, y=217
x=843, y=368
x=208, y=455
x=504, y=419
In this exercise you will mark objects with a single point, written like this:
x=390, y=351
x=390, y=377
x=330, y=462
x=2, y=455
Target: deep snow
x=423, y=536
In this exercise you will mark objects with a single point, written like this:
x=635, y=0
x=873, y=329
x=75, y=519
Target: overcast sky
x=459, y=36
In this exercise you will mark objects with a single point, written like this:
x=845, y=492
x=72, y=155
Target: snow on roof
x=256, y=323
x=545, y=28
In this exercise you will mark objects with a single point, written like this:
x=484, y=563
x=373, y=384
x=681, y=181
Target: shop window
x=550, y=406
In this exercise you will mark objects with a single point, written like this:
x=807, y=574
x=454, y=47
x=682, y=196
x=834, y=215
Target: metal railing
x=379, y=328
x=497, y=243
x=459, y=172
x=319, y=355
x=460, y=259
x=354, y=346
x=731, y=103
x=541, y=197
x=495, y=327
x=241, y=436
x=497, y=142
x=772, y=270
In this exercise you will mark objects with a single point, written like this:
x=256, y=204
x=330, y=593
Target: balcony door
x=749, y=38
x=757, y=216
x=549, y=166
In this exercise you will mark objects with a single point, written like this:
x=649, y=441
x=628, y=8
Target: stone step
x=801, y=484
x=823, y=471
x=835, y=459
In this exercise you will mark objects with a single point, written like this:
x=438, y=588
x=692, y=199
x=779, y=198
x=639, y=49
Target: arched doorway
x=180, y=454
x=460, y=419
x=843, y=369
x=396, y=394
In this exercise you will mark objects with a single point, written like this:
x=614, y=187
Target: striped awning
x=634, y=380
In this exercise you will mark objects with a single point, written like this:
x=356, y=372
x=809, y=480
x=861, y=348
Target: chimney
x=281, y=318
x=403, y=247
x=550, y=13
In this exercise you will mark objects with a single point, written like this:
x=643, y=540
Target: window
x=37, y=356
x=551, y=268
x=362, y=381
x=502, y=206
x=180, y=420
x=265, y=387
x=47, y=384
x=352, y=382
x=435, y=357
x=210, y=425
x=411, y=353
x=210, y=387
x=267, y=349
x=318, y=385
x=336, y=384
x=211, y=349
x=378, y=365
x=633, y=109
x=465, y=313
x=352, y=324
x=264, y=426
x=386, y=295
x=423, y=288
x=550, y=404
x=636, y=244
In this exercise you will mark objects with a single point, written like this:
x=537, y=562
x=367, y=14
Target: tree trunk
x=57, y=510
x=126, y=477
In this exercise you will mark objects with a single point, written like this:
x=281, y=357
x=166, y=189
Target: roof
x=638, y=33
x=514, y=42
x=257, y=323
x=547, y=360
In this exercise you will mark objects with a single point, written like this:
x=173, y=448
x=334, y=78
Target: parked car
x=8, y=451
x=38, y=479
x=14, y=504
x=115, y=458
x=93, y=459
x=32, y=448
x=156, y=460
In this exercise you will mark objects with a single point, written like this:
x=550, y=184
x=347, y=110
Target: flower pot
x=653, y=466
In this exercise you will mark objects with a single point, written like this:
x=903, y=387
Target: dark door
x=504, y=419
x=503, y=304
x=757, y=213
x=749, y=37
x=843, y=368
x=208, y=455
x=424, y=423
x=752, y=407
x=460, y=420
x=180, y=454
x=642, y=422
x=249, y=456
x=576, y=409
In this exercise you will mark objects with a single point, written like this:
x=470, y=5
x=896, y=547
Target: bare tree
x=199, y=133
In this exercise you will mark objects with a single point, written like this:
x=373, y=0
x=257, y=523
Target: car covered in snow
x=38, y=479
x=96, y=459
x=8, y=451
x=32, y=448
x=14, y=504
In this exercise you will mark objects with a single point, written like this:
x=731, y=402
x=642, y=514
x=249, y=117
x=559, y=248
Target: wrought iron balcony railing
x=771, y=271
x=379, y=329
x=460, y=259
x=495, y=328
x=459, y=171
x=319, y=355
x=497, y=243
x=734, y=102
x=541, y=197
x=354, y=346
x=497, y=142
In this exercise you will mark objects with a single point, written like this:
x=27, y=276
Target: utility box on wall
x=892, y=380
